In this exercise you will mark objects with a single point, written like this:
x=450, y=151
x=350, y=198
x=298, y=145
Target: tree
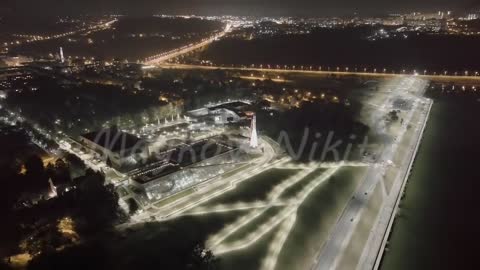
x=34, y=166
x=96, y=203
x=164, y=251
x=36, y=178
x=132, y=206
x=50, y=170
x=203, y=259
x=11, y=188
x=109, y=162
x=4, y=266
x=393, y=116
x=74, y=258
x=172, y=251
x=75, y=163
x=62, y=172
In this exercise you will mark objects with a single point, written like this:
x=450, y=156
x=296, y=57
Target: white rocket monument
x=62, y=59
x=253, y=133
x=53, y=189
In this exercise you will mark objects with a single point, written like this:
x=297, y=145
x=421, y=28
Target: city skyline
x=234, y=7
x=239, y=134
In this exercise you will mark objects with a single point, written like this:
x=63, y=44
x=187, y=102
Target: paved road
x=343, y=230
x=158, y=59
x=443, y=78
x=374, y=248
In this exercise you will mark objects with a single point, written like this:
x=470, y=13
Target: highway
x=339, y=238
x=84, y=30
x=375, y=247
x=160, y=58
x=438, y=78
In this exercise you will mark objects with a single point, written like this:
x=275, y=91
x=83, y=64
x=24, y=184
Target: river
x=438, y=215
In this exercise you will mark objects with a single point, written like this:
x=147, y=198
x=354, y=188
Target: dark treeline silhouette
x=78, y=107
x=93, y=207
x=89, y=202
x=311, y=125
x=197, y=88
x=165, y=251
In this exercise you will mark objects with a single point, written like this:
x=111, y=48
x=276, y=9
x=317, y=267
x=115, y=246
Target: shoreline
x=388, y=231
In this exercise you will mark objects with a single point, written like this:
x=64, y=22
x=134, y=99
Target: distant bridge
x=440, y=78
x=160, y=58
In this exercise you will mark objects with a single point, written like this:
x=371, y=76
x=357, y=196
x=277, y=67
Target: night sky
x=234, y=7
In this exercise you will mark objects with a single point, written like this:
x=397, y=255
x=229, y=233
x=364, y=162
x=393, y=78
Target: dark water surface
x=439, y=217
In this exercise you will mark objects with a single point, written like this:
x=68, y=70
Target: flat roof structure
x=113, y=139
x=180, y=157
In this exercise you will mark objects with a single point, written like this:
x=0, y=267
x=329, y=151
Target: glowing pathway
x=233, y=207
x=285, y=215
x=208, y=196
x=282, y=222
x=273, y=196
x=277, y=244
x=296, y=166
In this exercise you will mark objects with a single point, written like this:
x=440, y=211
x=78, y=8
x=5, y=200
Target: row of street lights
x=425, y=72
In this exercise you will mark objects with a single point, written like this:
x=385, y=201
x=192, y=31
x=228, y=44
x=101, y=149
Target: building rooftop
x=234, y=106
x=113, y=139
x=181, y=157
